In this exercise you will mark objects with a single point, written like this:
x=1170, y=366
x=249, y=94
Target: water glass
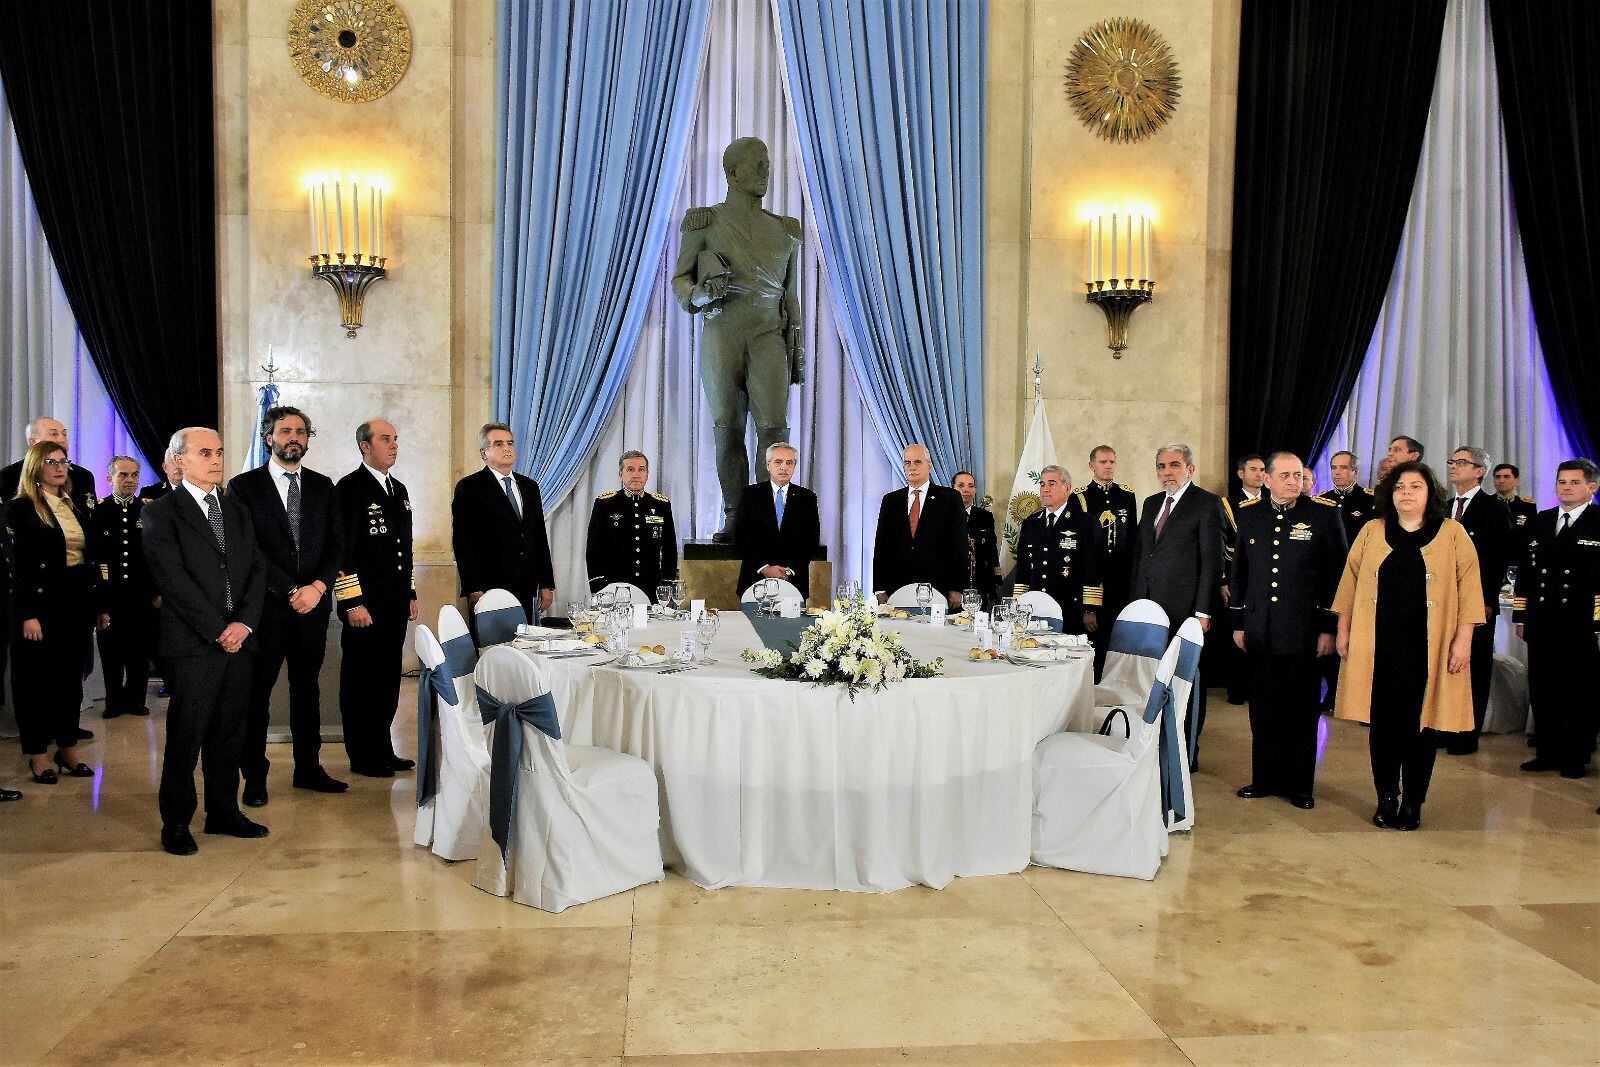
x=664, y=598
x=971, y=601
x=705, y=630
x=924, y=596
x=679, y=594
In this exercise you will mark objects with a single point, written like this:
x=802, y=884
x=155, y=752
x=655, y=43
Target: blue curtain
x=889, y=102
x=595, y=107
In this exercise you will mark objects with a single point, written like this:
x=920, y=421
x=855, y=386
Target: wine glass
x=705, y=630
x=971, y=602
x=664, y=598
x=679, y=595
x=924, y=596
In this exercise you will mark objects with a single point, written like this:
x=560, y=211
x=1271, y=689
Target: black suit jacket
x=1558, y=580
x=40, y=553
x=155, y=490
x=493, y=549
x=761, y=543
x=321, y=532
x=188, y=570
x=1182, y=569
x=938, y=554
x=1488, y=523
x=984, y=552
x=79, y=478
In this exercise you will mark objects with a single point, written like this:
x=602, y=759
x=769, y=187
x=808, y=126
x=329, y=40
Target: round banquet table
x=780, y=783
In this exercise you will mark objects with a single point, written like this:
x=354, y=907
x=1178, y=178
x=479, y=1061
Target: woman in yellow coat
x=1407, y=604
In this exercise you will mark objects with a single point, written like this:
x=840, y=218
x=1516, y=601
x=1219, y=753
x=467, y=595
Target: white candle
x=338, y=208
x=1088, y=251
x=380, y=223
x=311, y=213
x=355, y=203
x=372, y=219
x=1114, y=274
x=1150, y=253
x=323, y=200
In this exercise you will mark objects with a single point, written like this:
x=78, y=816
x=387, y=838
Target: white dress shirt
x=1574, y=513
x=383, y=479
x=280, y=482
x=500, y=480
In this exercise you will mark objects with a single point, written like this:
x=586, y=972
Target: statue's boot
x=733, y=470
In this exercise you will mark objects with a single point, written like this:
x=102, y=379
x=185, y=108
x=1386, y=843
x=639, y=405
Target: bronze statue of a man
x=738, y=267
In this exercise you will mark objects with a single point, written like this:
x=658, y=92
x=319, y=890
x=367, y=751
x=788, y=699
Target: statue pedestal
x=711, y=573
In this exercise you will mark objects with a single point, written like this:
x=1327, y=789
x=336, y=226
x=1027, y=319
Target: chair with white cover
x=906, y=596
x=1097, y=804
x=1041, y=604
x=634, y=594
x=459, y=779
x=567, y=823
x=496, y=615
x=1138, y=638
x=787, y=588
x=1177, y=786
x=430, y=676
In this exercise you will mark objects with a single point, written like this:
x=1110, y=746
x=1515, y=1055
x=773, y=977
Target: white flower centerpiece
x=844, y=647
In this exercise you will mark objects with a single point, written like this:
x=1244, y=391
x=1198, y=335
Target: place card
x=697, y=608
x=936, y=615
x=641, y=615
x=686, y=645
x=980, y=620
x=789, y=607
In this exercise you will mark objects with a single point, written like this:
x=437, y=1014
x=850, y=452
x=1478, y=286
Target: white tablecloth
x=1508, y=690
x=776, y=783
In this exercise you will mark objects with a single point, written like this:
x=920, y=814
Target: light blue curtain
x=889, y=99
x=595, y=105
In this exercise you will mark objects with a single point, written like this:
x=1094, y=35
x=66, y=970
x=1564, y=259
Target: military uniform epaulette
x=1125, y=487
x=1318, y=499
x=661, y=497
x=607, y=496
x=698, y=218
x=1527, y=500
x=790, y=224
x=1249, y=503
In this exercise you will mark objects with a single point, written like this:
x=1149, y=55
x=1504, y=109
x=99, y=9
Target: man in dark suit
x=173, y=477
x=983, y=544
x=79, y=479
x=632, y=537
x=1403, y=449
x=1114, y=509
x=1251, y=470
x=1058, y=552
x=777, y=527
x=1489, y=524
x=375, y=597
x=921, y=535
x=1557, y=612
x=1507, y=480
x=1290, y=556
x=497, y=528
x=115, y=542
x=295, y=511
x=1178, y=563
x=1355, y=506
x=201, y=550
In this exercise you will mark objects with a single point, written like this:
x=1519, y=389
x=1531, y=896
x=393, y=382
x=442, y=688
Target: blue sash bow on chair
x=431, y=682
x=506, y=757
x=498, y=625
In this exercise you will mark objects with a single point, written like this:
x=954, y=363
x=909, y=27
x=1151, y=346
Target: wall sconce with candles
x=1120, y=264
x=349, y=256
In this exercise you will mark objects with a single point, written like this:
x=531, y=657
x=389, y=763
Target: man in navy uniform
x=1507, y=480
x=1058, y=551
x=1113, y=509
x=983, y=545
x=631, y=534
x=173, y=473
x=1286, y=569
x=1557, y=612
x=116, y=546
x=1488, y=523
x=375, y=597
x=1348, y=495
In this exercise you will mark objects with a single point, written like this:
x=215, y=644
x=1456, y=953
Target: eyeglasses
x=1464, y=463
x=55, y=463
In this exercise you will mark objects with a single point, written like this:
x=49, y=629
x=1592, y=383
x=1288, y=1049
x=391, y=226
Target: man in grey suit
x=1178, y=561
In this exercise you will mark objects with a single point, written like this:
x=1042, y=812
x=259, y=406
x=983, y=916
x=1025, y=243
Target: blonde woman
x=53, y=609
x=1407, y=605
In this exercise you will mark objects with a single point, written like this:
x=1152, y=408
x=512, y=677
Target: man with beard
x=300, y=536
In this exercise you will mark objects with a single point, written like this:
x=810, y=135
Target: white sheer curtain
x=662, y=411
x=1455, y=358
x=46, y=370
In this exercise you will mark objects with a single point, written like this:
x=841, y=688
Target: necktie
x=1461, y=505
x=1161, y=520
x=388, y=486
x=1566, y=521
x=214, y=516
x=294, y=509
x=780, y=509
x=511, y=495
x=1050, y=521
x=916, y=509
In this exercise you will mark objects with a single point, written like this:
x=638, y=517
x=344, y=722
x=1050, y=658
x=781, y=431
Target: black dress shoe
x=178, y=841
x=1303, y=800
x=137, y=711
x=1385, y=815
x=1409, y=817
x=1537, y=764
x=318, y=780
x=1462, y=748
x=235, y=825
x=401, y=764
x=111, y=713
x=1573, y=772
x=255, y=795
x=371, y=770
x=80, y=770
x=10, y=794
x=163, y=691
x=85, y=735
x=1252, y=792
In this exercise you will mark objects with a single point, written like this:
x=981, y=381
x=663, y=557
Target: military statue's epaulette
x=661, y=497
x=1324, y=503
x=698, y=218
x=1248, y=503
x=790, y=224
x=607, y=496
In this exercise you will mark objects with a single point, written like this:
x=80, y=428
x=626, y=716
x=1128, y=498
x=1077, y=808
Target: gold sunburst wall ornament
x=350, y=50
x=1122, y=80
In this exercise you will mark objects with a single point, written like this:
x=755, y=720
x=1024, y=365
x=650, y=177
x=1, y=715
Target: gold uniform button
x=1274, y=570
x=1274, y=600
x=1274, y=585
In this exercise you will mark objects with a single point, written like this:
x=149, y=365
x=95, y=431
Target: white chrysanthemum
x=894, y=672
x=849, y=665
x=815, y=668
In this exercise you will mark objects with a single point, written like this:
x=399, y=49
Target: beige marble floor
x=1272, y=936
